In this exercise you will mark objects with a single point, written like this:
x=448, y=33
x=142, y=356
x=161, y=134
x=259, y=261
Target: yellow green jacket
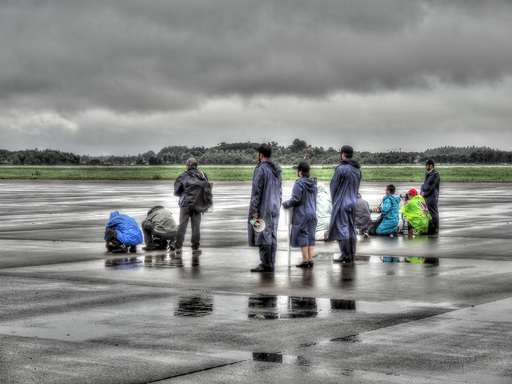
x=417, y=214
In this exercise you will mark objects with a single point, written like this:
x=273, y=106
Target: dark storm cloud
x=143, y=56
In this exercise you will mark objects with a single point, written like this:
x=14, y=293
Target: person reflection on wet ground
x=263, y=307
x=422, y=260
x=194, y=306
x=343, y=304
x=302, y=307
x=390, y=259
x=123, y=263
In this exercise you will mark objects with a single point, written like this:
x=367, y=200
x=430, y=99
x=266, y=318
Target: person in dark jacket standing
x=344, y=188
x=430, y=192
x=186, y=213
x=303, y=202
x=266, y=198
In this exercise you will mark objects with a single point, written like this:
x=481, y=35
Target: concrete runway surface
x=73, y=313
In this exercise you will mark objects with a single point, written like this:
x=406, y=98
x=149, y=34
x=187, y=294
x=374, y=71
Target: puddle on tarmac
x=270, y=307
x=165, y=261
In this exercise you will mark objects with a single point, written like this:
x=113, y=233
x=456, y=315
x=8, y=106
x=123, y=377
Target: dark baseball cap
x=264, y=149
x=303, y=167
x=347, y=149
x=430, y=162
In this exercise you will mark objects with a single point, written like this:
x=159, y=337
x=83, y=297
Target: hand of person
x=255, y=215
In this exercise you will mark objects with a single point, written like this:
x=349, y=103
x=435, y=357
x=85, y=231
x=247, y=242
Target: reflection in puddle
x=153, y=261
x=343, y=304
x=267, y=357
x=411, y=260
x=285, y=308
x=194, y=306
x=123, y=263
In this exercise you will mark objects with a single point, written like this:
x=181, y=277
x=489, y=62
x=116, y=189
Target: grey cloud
x=172, y=55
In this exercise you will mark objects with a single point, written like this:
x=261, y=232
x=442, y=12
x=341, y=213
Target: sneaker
x=366, y=234
x=133, y=249
x=178, y=251
x=196, y=252
x=149, y=247
x=120, y=249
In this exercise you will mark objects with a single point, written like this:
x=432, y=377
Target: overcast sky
x=125, y=76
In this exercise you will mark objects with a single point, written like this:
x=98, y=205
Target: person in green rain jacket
x=416, y=212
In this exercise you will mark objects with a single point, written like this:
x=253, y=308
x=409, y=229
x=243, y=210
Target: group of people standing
x=349, y=212
x=266, y=198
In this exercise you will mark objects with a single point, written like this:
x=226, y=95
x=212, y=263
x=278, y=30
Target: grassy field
x=391, y=174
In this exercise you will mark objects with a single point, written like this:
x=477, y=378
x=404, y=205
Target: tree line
x=244, y=154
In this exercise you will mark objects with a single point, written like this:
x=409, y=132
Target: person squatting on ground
x=159, y=229
x=323, y=212
x=387, y=222
x=188, y=213
x=122, y=232
x=363, y=217
x=265, y=204
x=416, y=212
x=430, y=192
x=303, y=202
x=344, y=188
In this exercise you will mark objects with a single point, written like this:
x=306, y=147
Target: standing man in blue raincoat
x=430, y=192
x=344, y=189
x=266, y=198
x=303, y=202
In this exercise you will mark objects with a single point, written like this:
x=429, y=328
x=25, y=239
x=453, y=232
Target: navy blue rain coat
x=266, y=198
x=344, y=189
x=304, y=220
x=127, y=229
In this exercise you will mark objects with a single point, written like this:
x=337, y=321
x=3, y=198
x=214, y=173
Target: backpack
x=198, y=192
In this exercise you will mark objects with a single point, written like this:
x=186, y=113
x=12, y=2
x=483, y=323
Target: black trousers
x=194, y=217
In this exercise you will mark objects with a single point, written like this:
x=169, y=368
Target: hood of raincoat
x=274, y=167
x=351, y=162
x=309, y=184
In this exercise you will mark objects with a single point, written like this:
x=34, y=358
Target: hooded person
x=344, y=188
x=417, y=213
x=122, y=231
x=389, y=213
x=304, y=222
x=323, y=212
x=265, y=204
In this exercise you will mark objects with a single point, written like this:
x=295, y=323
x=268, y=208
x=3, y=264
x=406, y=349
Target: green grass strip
x=226, y=173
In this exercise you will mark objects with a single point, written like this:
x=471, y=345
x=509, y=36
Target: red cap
x=413, y=192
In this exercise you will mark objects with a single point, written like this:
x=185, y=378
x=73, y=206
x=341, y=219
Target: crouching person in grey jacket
x=159, y=229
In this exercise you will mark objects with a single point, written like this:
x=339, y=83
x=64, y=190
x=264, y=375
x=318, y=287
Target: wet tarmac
x=71, y=312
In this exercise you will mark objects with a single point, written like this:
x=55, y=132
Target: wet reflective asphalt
x=73, y=313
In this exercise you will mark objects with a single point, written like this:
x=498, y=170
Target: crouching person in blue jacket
x=387, y=222
x=122, y=232
x=304, y=220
